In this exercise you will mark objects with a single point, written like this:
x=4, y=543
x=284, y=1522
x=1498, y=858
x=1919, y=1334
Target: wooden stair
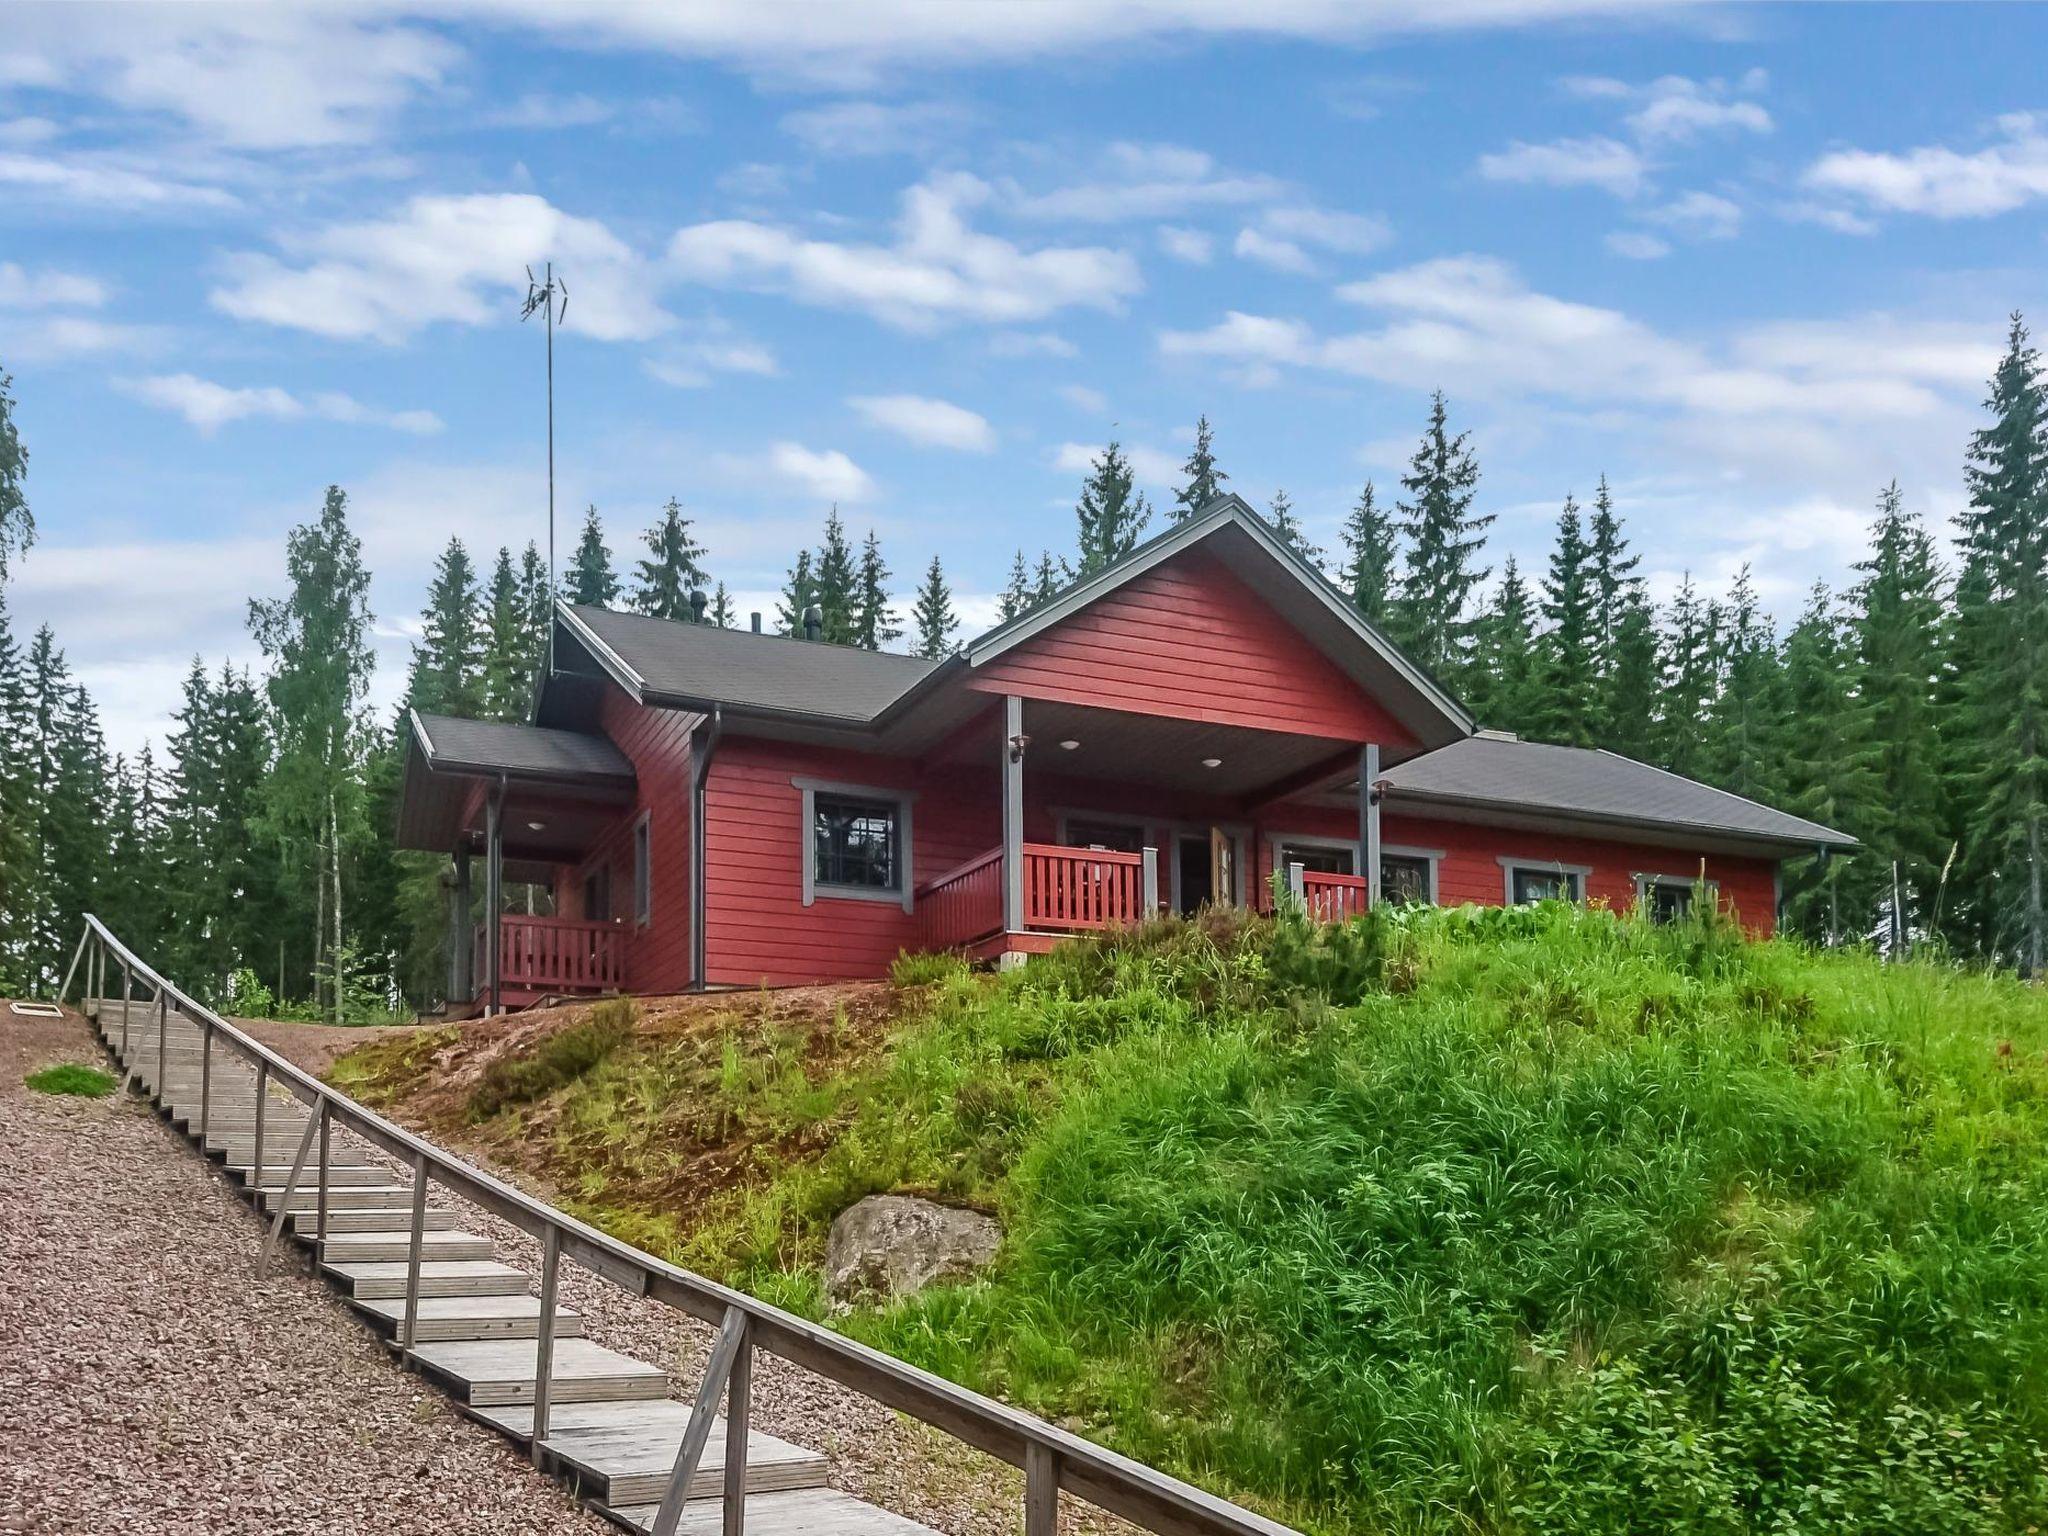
x=613, y=1429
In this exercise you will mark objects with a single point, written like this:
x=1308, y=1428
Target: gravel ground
x=148, y=1384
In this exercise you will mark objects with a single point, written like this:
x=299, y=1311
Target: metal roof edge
x=616, y=665
x=1424, y=797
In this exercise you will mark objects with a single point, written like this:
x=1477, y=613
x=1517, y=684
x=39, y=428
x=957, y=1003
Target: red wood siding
x=758, y=930
x=1189, y=640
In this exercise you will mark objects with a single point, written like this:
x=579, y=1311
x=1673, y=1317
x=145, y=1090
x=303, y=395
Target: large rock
x=891, y=1245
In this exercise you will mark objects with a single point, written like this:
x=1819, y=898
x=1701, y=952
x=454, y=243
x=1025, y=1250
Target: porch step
x=375, y=1219
x=381, y=1279
x=802, y=1512
x=490, y=1373
x=238, y=1153
x=624, y=1452
x=444, y=1318
x=277, y=1174
x=388, y=1247
x=347, y=1197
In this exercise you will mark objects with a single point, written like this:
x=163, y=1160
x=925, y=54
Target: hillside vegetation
x=1512, y=1221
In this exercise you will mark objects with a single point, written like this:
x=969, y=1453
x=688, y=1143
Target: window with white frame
x=1315, y=858
x=856, y=842
x=1668, y=898
x=643, y=869
x=1407, y=877
x=1533, y=882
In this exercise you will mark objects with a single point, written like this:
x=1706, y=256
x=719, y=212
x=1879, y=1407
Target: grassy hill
x=1517, y=1220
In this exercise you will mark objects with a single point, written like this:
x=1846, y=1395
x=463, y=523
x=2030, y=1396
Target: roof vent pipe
x=698, y=603
x=756, y=617
x=814, y=622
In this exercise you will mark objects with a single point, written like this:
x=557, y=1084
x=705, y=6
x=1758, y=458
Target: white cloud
x=714, y=346
x=1944, y=183
x=815, y=474
x=1675, y=109
x=209, y=406
x=933, y=423
x=856, y=128
x=541, y=111
x=1152, y=466
x=1842, y=221
x=444, y=259
x=1348, y=234
x=1144, y=181
x=938, y=270
x=1270, y=251
x=1031, y=344
x=1082, y=397
x=55, y=338
x=104, y=181
x=1183, y=244
x=48, y=289
x=1699, y=216
x=1637, y=245
x=1605, y=163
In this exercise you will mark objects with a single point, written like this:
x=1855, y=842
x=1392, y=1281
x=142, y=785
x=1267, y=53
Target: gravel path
x=148, y=1384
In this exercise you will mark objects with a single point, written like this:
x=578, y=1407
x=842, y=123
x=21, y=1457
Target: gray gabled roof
x=681, y=665
x=451, y=744
x=1496, y=771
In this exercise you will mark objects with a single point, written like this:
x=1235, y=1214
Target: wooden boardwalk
x=613, y=1431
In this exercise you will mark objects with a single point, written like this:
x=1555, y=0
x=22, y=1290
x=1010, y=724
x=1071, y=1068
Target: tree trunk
x=319, y=919
x=334, y=844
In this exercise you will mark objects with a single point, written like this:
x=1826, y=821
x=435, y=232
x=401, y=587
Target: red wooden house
x=716, y=808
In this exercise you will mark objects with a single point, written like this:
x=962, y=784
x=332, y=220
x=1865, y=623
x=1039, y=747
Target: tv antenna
x=548, y=298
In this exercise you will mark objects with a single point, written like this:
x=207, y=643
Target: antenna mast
x=541, y=299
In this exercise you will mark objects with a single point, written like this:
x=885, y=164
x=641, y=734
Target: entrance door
x=1197, y=882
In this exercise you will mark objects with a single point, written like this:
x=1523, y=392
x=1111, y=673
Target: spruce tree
x=838, y=581
x=2005, y=545
x=1016, y=594
x=590, y=581
x=1443, y=538
x=1828, y=774
x=1688, y=668
x=722, y=613
x=1292, y=534
x=1614, y=577
x=1368, y=573
x=1630, y=689
x=448, y=657
x=506, y=675
x=1502, y=686
x=1205, y=480
x=1567, y=703
x=536, y=607
x=933, y=614
x=17, y=522
x=799, y=591
x=16, y=756
x=1045, y=581
x=1110, y=516
x=69, y=778
x=1747, y=720
x=874, y=622
x=663, y=583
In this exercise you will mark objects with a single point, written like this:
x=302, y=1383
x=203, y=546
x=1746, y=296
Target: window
x=1543, y=882
x=1117, y=836
x=1314, y=858
x=1407, y=877
x=597, y=895
x=643, y=870
x=1666, y=898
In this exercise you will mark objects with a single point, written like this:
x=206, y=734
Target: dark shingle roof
x=496, y=746
x=1494, y=769
x=743, y=670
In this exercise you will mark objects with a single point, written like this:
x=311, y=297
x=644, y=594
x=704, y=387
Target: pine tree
x=874, y=622
x=1045, y=581
x=1614, y=577
x=1368, y=573
x=722, y=613
x=506, y=676
x=1827, y=771
x=663, y=584
x=317, y=642
x=589, y=581
x=2005, y=545
x=1110, y=516
x=1567, y=702
x=1292, y=534
x=1443, y=537
x=17, y=523
x=447, y=659
x=1747, y=721
x=1688, y=666
x=1630, y=690
x=838, y=596
x=133, y=902
x=536, y=608
x=69, y=779
x=1205, y=480
x=16, y=807
x=799, y=591
x=933, y=614
x=1016, y=593
x=1502, y=689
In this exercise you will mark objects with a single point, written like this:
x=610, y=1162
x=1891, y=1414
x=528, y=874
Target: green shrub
x=557, y=1060
x=71, y=1078
x=925, y=968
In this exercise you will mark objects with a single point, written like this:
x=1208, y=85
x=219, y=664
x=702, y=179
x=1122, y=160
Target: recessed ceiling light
x=1212, y=762
x=1068, y=746
x=536, y=826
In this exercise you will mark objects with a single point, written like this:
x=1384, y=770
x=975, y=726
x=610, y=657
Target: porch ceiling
x=1173, y=754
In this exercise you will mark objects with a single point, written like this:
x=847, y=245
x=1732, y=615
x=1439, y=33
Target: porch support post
x=1148, y=877
x=1013, y=814
x=1369, y=821
x=494, y=891
x=461, y=932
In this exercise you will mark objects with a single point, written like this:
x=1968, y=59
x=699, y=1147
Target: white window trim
x=643, y=872
x=1511, y=864
x=1645, y=883
x=1433, y=857
x=814, y=889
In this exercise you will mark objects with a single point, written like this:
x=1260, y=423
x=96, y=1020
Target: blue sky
x=1749, y=262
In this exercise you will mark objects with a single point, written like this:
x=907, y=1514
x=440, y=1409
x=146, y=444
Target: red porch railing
x=963, y=904
x=1081, y=887
x=555, y=954
x=1333, y=898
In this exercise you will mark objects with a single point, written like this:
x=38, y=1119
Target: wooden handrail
x=965, y=867
x=1143, y=1495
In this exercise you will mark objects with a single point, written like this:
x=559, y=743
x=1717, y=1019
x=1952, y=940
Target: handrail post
x=1148, y=872
x=413, y=1250
x=739, y=1413
x=320, y=1197
x=163, y=1030
x=127, y=997
x=544, y=1345
x=205, y=1081
x=732, y=1339
x=1041, y=1490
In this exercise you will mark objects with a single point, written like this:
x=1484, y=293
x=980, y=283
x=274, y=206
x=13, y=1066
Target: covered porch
x=509, y=805
x=1112, y=817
